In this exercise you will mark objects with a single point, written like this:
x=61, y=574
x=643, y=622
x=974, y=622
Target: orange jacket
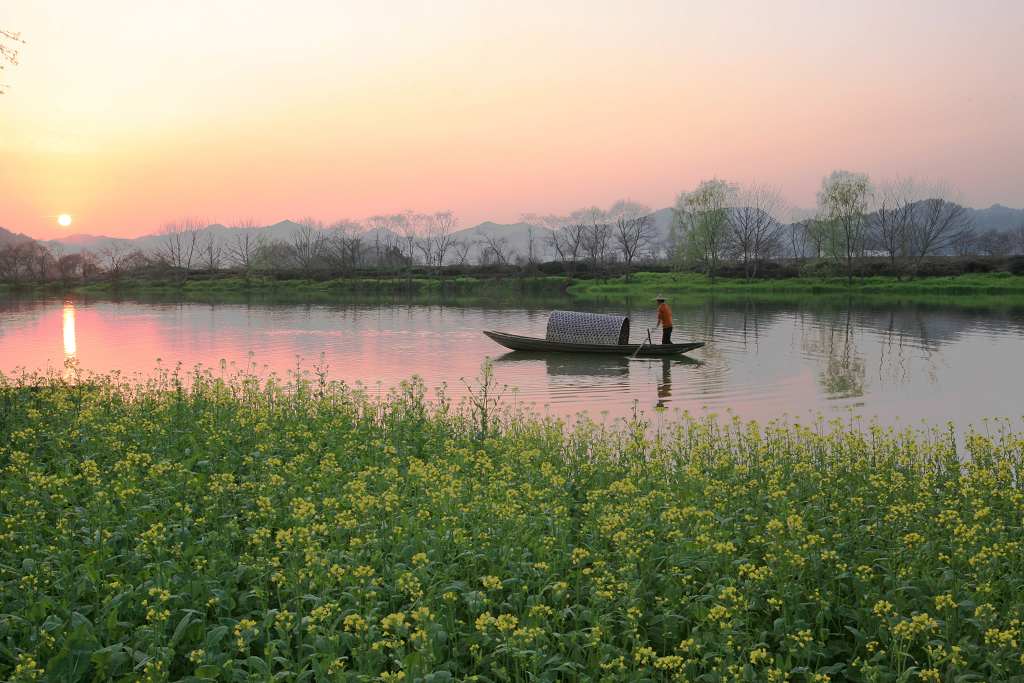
x=664, y=315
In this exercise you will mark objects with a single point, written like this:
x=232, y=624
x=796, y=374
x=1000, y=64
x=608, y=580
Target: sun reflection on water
x=70, y=349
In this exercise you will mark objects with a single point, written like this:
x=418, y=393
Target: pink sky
x=127, y=114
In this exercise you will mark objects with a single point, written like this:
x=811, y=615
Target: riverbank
x=226, y=528
x=969, y=289
x=686, y=285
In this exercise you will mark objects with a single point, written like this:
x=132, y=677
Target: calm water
x=902, y=366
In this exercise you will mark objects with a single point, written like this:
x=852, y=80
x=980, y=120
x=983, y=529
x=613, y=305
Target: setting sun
x=64, y=220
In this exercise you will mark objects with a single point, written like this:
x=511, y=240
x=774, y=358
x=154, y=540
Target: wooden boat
x=519, y=343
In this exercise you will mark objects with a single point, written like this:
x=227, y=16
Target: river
x=900, y=365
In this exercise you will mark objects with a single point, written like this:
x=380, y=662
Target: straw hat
x=659, y=298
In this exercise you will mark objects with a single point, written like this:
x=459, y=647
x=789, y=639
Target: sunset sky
x=127, y=114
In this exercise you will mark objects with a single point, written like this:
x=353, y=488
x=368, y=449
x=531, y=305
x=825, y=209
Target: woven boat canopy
x=573, y=327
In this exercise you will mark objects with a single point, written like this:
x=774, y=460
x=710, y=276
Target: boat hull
x=519, y=343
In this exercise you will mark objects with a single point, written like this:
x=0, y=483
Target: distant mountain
x=996, y=217
x=8, y=237
x=516, y=238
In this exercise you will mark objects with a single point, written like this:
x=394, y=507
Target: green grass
x=984, y=288
x=333, y=289
x=988, y=290
x=223, y=528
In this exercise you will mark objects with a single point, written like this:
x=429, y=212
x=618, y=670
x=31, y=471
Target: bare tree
x=210, y=251
x=90, y=264
x=179, y=244
x=965, y=244
x=566, y=241
x=494, y=250
x=434, y=237
x=308, y=244
x=461, y=250
x=754, y=226
x=890, y=225
x=797, y=240
x=597, y=234
x=381, y=238
x=40, y=261
x=410, y=226
x=345, y=244
x=1018, y=238
x=843, y=201
x=995, y=243
x=442, y=225
x=244, y=246
x=936, y=226
x=8, y=51
x=114, y=258
x=633, y=230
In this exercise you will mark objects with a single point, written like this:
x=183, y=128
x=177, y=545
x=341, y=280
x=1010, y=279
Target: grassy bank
x=982, y=290
x=690, y=285
x=235, y=530
x=420, y=285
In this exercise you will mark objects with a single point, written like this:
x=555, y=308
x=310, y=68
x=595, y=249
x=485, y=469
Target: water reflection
x=68, y=328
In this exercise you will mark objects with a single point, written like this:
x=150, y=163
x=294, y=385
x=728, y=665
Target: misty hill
x=996, y=217
x=8, y=237
x=516, y=238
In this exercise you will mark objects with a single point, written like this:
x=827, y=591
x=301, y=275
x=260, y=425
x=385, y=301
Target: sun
x=64, y=219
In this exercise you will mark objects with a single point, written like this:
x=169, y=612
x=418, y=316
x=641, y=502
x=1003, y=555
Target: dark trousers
x=666, y=335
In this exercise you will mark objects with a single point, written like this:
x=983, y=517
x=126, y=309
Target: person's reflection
x=665, y=383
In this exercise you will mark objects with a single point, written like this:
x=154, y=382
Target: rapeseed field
x=214, y=528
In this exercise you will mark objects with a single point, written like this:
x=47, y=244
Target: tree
x=244, y=246
x=1018, y=238
x=494, y=250
x=383, y=231
x=633, y=230
x=410, y=226
x=843, y=201
x=890, y=225
x=936, y=226
x=114, y=258
x=8, y=50
x=704, y=217
x=462, y=249
x=797, y=240
x=210, y=251
x=754, y=228
x=567, y=243
x=345, y=244
x=71, y=266
x=308, y=244
x=596, y=234
x=436, y=237
x=995, y=243
x=531, y=248
x=179, y=244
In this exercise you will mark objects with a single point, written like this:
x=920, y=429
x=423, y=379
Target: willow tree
x=702, y=224
x=843, y=202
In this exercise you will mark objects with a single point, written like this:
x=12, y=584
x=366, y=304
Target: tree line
x=716, y=227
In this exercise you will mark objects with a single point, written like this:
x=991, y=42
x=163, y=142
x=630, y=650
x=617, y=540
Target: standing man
x=664, y=320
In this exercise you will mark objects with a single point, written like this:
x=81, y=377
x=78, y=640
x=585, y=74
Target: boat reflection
x=612, y=373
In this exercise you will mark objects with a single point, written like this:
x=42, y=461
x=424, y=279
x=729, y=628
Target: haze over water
x=903, y=365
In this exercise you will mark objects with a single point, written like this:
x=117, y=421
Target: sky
x=129, y=114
